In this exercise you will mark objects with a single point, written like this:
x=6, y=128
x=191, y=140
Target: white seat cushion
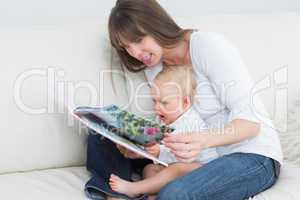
x=68, y=183
x=54, y=184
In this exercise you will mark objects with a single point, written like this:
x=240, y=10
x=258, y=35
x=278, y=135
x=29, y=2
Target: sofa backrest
x=43, y=72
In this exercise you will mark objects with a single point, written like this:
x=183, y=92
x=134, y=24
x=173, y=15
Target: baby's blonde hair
x=182, y=76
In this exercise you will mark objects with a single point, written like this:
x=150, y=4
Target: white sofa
x=44, y=70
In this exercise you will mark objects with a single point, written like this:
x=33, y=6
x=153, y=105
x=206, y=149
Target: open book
x=123, y=128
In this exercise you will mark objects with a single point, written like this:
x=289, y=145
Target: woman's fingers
x=184, y=146
x=127, y=153
x=188, y=157
x=150, y=147
x=178, y=146
x=186, y=154
x=132, y=155
x=188, y=160
x=121, y=149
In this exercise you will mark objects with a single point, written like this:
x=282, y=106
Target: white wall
x=40, y=12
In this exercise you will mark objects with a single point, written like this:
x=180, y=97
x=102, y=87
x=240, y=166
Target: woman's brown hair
x=131, y=20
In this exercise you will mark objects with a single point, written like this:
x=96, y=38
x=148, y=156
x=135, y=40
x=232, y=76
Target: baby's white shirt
x=188, y=122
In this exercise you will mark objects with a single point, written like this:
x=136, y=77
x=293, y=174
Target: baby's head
x=172, y=92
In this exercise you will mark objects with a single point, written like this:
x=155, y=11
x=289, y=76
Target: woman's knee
x=177, y=190
x=171, y=191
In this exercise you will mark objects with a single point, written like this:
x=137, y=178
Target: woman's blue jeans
x=236, y=176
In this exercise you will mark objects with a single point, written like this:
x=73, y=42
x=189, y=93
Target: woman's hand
x=154, y=150
x=127, y=153
x=186, y=147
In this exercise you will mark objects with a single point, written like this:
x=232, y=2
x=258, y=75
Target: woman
x=145, y=36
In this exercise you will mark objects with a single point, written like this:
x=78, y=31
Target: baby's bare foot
x=124, y=187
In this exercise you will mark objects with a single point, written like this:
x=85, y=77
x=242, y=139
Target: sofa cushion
x=287, y=186
x=68, y=183
x=54, y=184
x=290, y=139
x=44, y=72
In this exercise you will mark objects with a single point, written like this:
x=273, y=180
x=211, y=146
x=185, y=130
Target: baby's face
x=168, y=101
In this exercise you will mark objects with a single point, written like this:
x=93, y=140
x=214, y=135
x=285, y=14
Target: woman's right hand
x=127, y=153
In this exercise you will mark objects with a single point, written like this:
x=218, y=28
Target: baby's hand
x=153, y=150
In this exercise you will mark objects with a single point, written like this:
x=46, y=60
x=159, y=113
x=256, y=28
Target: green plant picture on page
x=128, y=125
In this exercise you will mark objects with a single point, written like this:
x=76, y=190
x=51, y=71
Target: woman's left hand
x=154, y=150
x=186, y=147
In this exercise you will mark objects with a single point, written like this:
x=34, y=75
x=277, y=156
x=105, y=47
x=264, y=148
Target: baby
x=172, y=91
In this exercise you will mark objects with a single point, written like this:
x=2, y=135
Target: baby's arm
x=161, y=152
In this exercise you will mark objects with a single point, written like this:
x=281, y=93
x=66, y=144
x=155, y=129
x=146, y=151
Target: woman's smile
x=146, y=58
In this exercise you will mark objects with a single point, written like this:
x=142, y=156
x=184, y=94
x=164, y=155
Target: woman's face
x=146, y=50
